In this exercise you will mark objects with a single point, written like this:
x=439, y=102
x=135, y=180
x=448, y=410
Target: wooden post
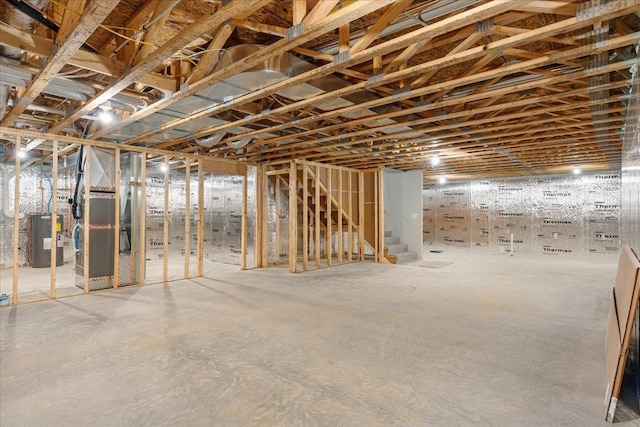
x=187, y=216
x=305, y=218
x=316, y=221
x=381, y=214
x=340, y=227
x=86, y=214
x=376, y=210
x=143, y=220
x=293, y=219
x=263, y=196
x=361, y=216
x=116, y=225
x=16, y=220
x=328, y=242
x=165, y=235
x=278, y=213
x=243, y=235
x=200, y=218
x=350, y=213
x=54, y=220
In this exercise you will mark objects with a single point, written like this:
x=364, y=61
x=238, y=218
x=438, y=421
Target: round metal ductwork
x=239, y=143
x=211, y=140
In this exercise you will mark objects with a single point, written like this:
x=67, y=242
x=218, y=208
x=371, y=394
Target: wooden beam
x=151, y=35
x=339, y=222
x=70, y=18
x=188, y=34
x=552, y=7
x=278, y=213
x=43, y=47
x=299, y=11
x=209, y=59
x=94, y=14
x=319, y=12
x=376, y=29
x=350, y=213
x=335, y=20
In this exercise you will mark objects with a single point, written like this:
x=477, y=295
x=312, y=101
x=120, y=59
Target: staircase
x=396, y=252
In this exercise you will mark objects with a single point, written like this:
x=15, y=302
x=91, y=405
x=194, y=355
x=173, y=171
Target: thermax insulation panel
x=548, y=215
x=631, y=168
x=223, y=218
x=630, y=214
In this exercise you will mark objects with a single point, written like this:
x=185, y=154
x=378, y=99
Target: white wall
x=403, y=202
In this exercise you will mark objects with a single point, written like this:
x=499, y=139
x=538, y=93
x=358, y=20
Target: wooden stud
x=376, y=211
x=54, y=220
x=361, y=225
x=200, y=218
x=340, y=226
x=243, y=238
x=264, y=231
x=299, y=11
x=293, y=218
x=116, y=225
x=381, y=215
x=16, y=220
x=87, y=215
x=305, y=218
x=316, y=220
x=343, y=34
x=278, y=213
x=350, y=213
x=165, y=235
x=329, y=213
x=187, y=217
x=143, y=221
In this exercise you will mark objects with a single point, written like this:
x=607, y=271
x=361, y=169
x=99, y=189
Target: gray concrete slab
x=488, y=340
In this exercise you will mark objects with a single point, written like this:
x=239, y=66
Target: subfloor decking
x=487, y=340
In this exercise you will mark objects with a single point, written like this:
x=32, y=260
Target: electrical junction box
x=41, y=243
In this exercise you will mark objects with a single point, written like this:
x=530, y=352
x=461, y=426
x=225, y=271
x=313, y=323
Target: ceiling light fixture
x=435, y=161
x=22, y=153
x=442, y=179
x=577, y=170
x=164, y=167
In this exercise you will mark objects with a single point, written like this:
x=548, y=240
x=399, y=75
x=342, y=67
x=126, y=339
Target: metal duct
x=210, y=141
x=271, y=71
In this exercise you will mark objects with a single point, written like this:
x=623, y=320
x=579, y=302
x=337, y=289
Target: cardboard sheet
x=624, y=303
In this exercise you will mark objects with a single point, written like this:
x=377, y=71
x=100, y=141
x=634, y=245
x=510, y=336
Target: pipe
x=6, y=176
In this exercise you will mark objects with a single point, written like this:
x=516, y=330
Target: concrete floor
x=488, y=340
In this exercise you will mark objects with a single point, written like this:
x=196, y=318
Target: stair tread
x=396, y=249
